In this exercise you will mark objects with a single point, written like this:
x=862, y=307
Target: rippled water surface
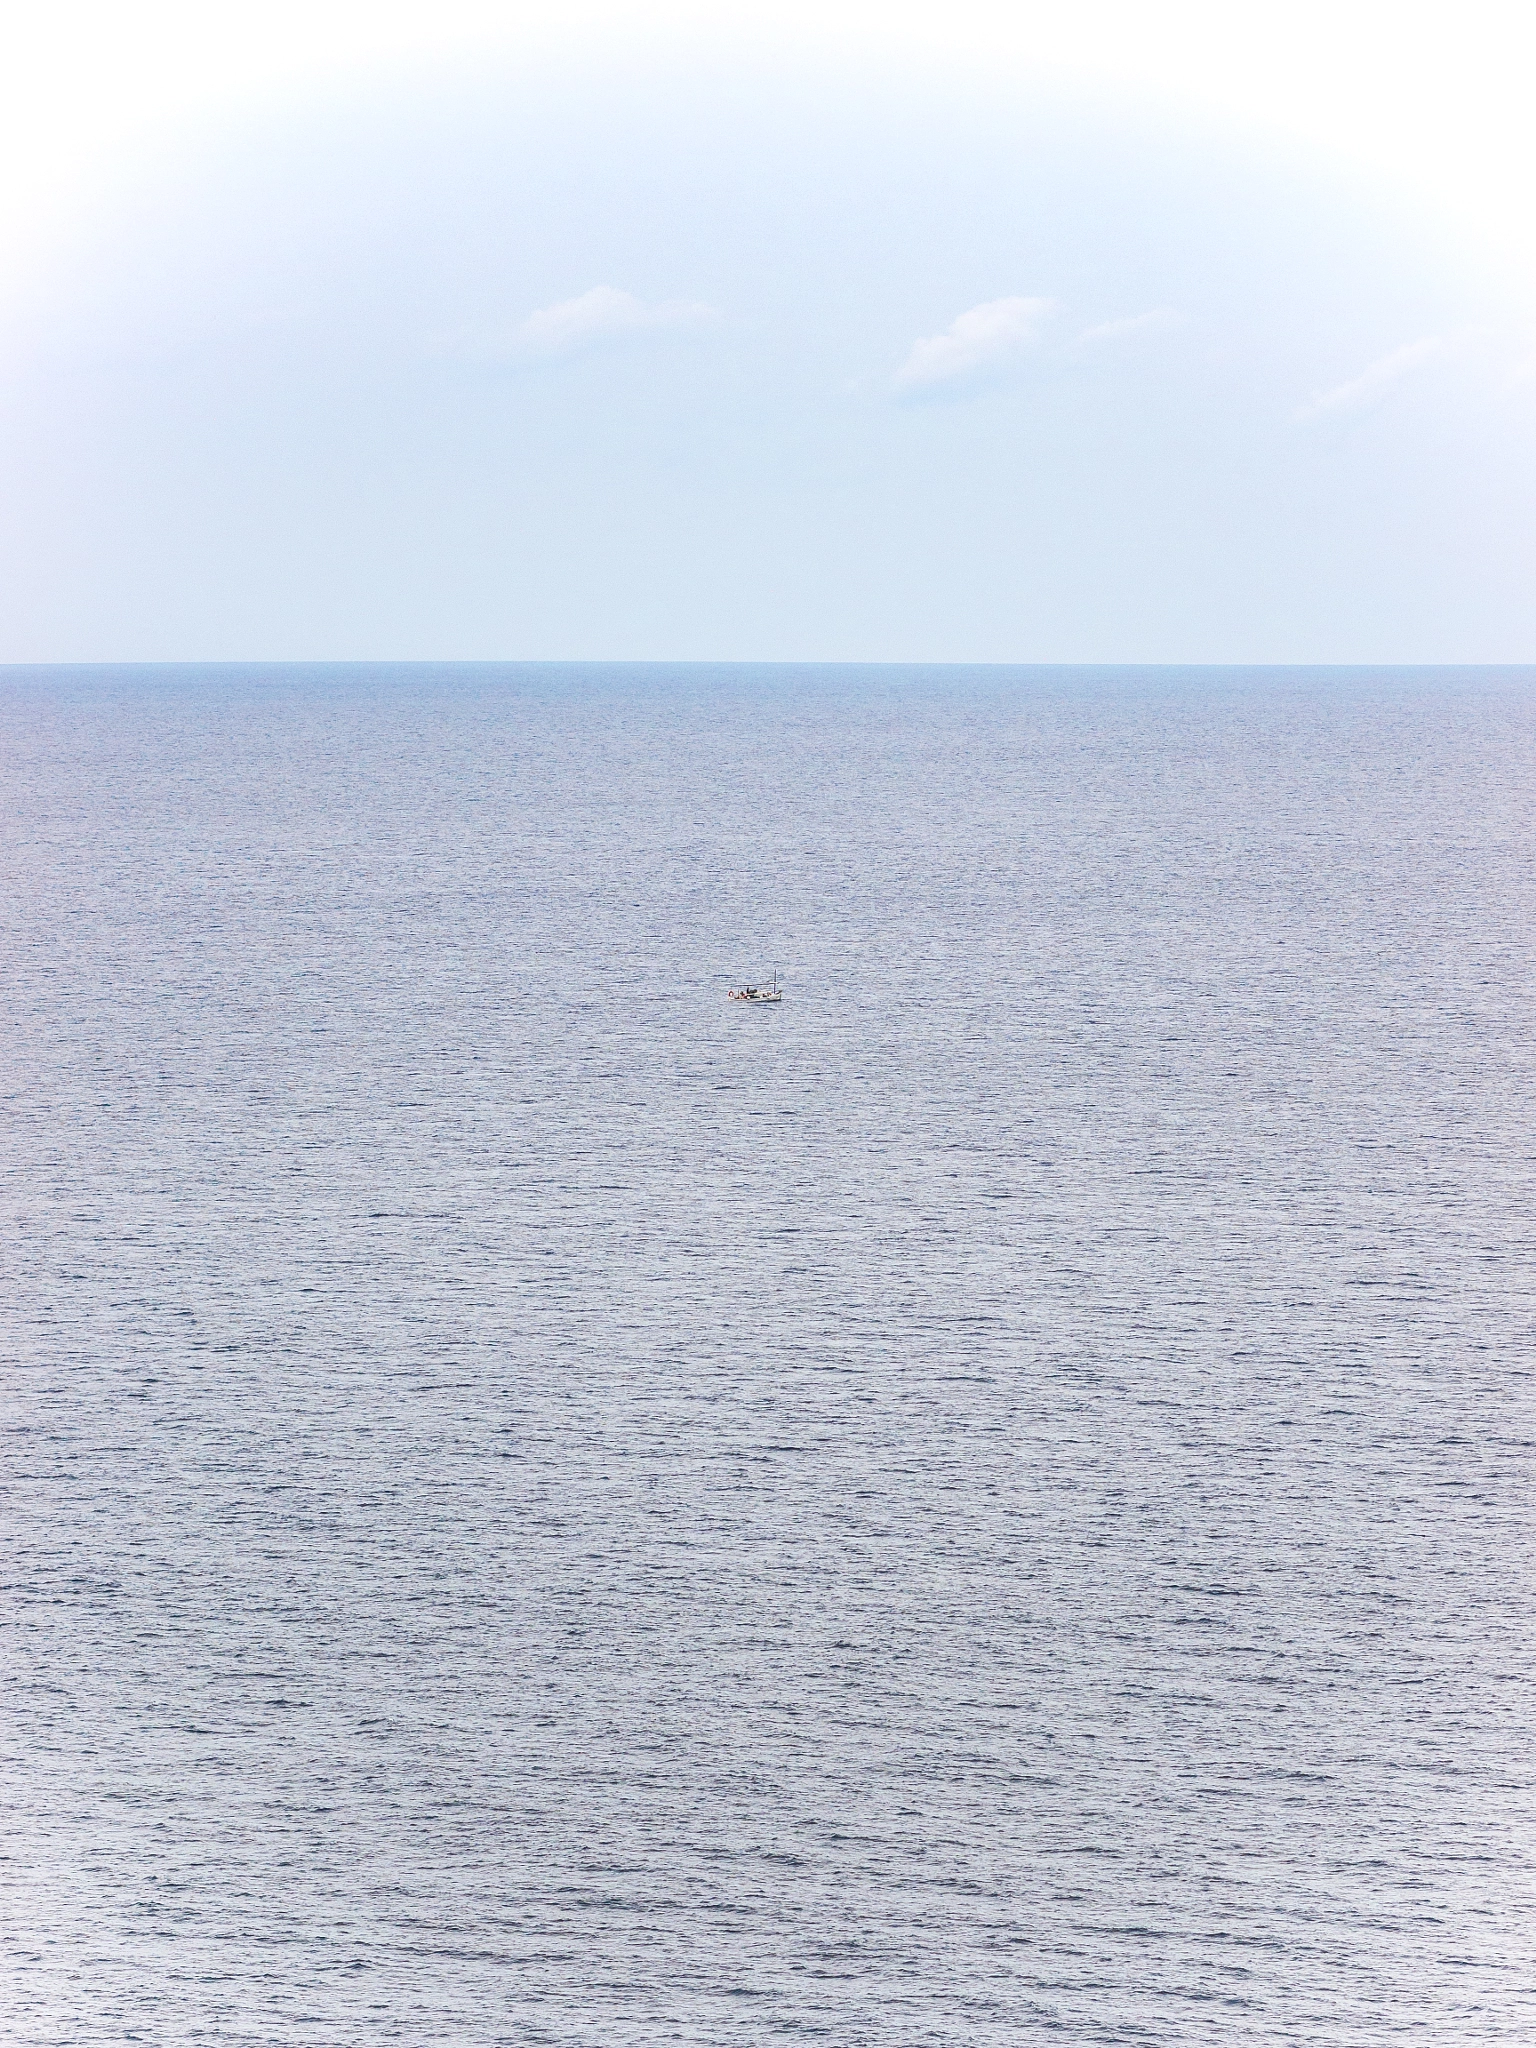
x=989, y=1501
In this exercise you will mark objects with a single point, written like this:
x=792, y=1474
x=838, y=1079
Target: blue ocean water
x=989, y=1501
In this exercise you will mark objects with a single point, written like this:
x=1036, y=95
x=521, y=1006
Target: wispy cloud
x=602, y=315
x=1161, y=318
x=976, y=347
x=1374, y=383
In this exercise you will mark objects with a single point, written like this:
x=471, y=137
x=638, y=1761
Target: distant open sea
x=990, y=1501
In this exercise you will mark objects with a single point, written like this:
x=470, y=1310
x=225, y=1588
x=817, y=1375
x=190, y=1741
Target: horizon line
x=394, y=662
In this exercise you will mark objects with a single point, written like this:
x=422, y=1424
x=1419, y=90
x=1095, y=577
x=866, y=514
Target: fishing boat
x=752, y=992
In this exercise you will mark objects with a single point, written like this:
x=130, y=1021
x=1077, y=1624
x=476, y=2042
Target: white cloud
x=600, y=315
x=1374, y=383
x=1160, y=318
x=974, y=347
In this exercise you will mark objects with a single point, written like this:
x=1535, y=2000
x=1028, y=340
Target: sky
x=1159, y=333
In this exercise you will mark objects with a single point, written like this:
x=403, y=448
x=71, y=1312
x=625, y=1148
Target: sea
x=988, y=1502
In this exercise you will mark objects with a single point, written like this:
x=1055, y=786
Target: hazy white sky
x=1112, y=333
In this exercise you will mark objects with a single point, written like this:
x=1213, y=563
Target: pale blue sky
x=733, y=358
